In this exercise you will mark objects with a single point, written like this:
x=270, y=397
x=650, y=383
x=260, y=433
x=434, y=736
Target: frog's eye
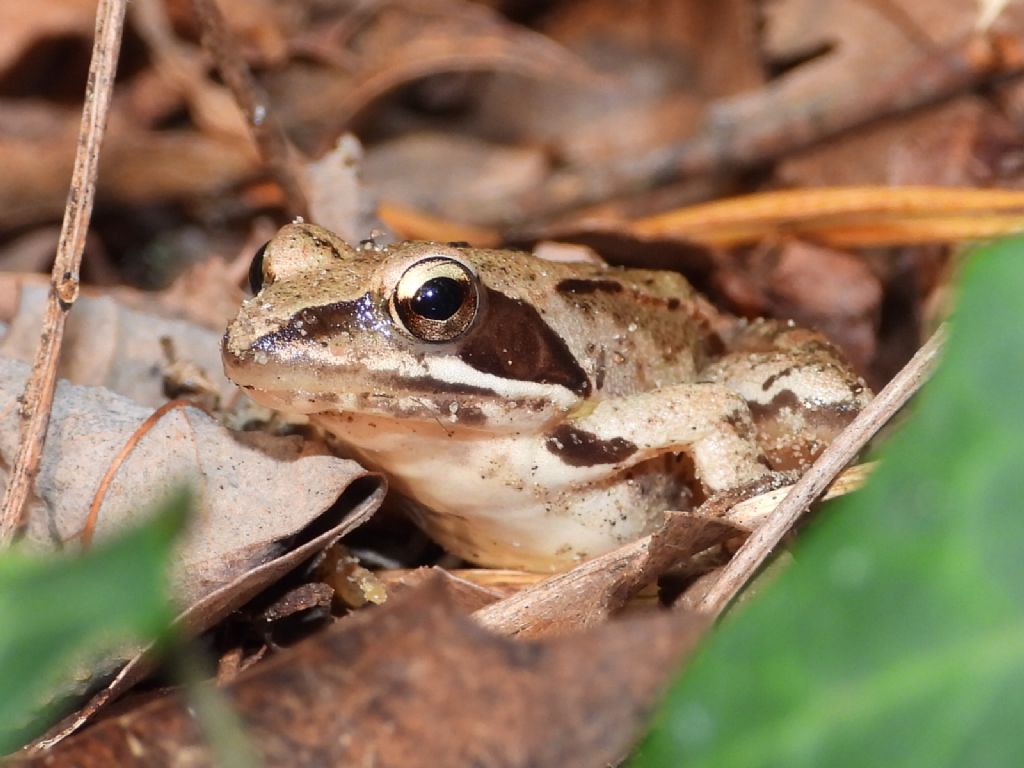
x=436, y=299
x=256, y=269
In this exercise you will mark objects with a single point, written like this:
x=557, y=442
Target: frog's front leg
x=708, y=422
x=591, y=482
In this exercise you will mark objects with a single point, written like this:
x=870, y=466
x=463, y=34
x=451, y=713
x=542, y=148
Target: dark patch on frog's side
x=786, y=447
x=770, y=381
x=581, y=286
x=832, y=413
x=514, y=342
x=579, y=448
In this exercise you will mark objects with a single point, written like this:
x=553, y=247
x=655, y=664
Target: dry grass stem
x=843, y=217
x=274, y=147
x=37, y=399
x=843, y=450
x=86, y=534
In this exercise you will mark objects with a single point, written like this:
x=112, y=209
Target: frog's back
x=629, y=330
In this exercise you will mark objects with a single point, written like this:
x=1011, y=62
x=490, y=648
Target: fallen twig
x=37, y=399
x=268, y=134
x=750, y=128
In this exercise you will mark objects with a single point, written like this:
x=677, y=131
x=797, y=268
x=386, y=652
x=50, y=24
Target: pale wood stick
x=37, y=399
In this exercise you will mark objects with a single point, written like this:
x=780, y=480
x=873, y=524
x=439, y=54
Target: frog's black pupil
x=439, y=298
x=256, y=269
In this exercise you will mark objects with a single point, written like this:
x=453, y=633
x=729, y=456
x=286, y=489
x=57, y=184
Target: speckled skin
x=582, y=401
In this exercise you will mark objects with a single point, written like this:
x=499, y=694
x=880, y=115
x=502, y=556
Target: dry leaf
x=662, y=65
x=261, y=501
x=109, y=344
x=25, y=24
x=337, y=197
x=589, y=593
x=481, y=179
x=937, y=146
x=877, y=59
x=821, y=288
x=532, y=144
x=138, y=165
x=369, y=51
x=466, y=595
x=415, y=684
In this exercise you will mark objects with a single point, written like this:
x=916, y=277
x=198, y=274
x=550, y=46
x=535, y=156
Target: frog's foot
x=684, y=535
x=800, y=390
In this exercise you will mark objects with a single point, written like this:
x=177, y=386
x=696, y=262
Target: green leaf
x=897, y=636
x=58, y=612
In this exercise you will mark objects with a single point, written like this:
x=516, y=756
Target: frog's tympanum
x=534, y=413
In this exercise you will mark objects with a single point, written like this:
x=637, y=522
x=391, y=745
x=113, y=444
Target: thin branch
x=750, y=128
x=37, y=399
x=270, y=138
x=843, y=449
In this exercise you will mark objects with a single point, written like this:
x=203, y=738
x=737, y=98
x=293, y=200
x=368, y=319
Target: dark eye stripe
x=515, y=343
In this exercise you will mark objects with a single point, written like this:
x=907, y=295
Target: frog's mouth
x=450, y=411
x=435, y=391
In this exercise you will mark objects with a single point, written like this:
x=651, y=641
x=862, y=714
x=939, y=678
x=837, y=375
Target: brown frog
x=536, y=413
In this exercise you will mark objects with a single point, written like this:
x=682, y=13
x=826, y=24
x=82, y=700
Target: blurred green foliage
x=60, y=613
x=897, y=635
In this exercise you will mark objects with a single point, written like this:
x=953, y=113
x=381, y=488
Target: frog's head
x=418, y=330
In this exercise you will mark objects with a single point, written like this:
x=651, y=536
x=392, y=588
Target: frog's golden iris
x=436, y=299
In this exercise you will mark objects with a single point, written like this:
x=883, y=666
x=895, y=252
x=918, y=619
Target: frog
x=530, y=413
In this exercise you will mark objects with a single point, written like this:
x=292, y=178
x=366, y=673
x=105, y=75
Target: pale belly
x=505, y=501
